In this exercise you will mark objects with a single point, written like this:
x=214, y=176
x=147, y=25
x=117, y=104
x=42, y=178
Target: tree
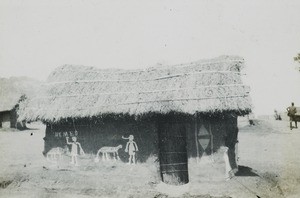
x=297, y=59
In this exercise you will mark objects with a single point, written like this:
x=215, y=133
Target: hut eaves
x=202, y=86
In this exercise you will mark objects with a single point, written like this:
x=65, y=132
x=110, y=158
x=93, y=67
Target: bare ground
x=268, y=158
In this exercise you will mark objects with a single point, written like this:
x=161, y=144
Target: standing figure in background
x=131, y=148
x=291, y=113
x=251, y=119
x=74, y=150
x=277, y=115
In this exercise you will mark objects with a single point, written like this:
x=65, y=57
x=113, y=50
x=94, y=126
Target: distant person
x=251, y=119
x=291, y=113
x=277, y=115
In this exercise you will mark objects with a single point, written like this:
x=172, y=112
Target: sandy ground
x=268, y=158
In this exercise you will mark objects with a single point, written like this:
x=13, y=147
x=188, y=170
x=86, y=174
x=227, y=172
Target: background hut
x=8, y=116
x=174, y=112
x=12, y=91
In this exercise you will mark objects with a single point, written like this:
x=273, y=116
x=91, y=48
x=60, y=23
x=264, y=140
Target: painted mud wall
x=208, y=133
x=94, y=133
x=108, y=131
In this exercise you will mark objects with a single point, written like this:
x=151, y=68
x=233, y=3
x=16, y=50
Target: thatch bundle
x=202, y=86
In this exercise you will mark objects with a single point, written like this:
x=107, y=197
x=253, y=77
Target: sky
x=36, y=36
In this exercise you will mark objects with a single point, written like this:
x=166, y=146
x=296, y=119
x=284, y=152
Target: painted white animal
x=106, y=151
x=55, y=153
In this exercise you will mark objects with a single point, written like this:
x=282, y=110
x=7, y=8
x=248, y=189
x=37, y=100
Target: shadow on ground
x=246, y=171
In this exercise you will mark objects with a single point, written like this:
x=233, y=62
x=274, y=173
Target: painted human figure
x=131, y=148
x=74, y=150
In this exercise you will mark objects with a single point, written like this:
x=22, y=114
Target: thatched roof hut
x=202, y=86
x=173, y=112
x=12, y=90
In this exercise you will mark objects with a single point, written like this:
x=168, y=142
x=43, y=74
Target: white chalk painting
x=131, y=148
x=55, y=154
x=74, y=150
x=204, y=138
x=65, y=134
x=106, y=153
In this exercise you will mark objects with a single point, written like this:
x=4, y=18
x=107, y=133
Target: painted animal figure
x=106, y=151
x=55, y=153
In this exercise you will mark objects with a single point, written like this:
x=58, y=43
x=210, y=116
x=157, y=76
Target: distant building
x=12, y=91
x=8, y=118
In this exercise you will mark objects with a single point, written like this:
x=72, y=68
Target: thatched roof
x=11, y=90
x=202, y=86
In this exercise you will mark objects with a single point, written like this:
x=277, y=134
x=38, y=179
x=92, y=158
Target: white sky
x=38, y=35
